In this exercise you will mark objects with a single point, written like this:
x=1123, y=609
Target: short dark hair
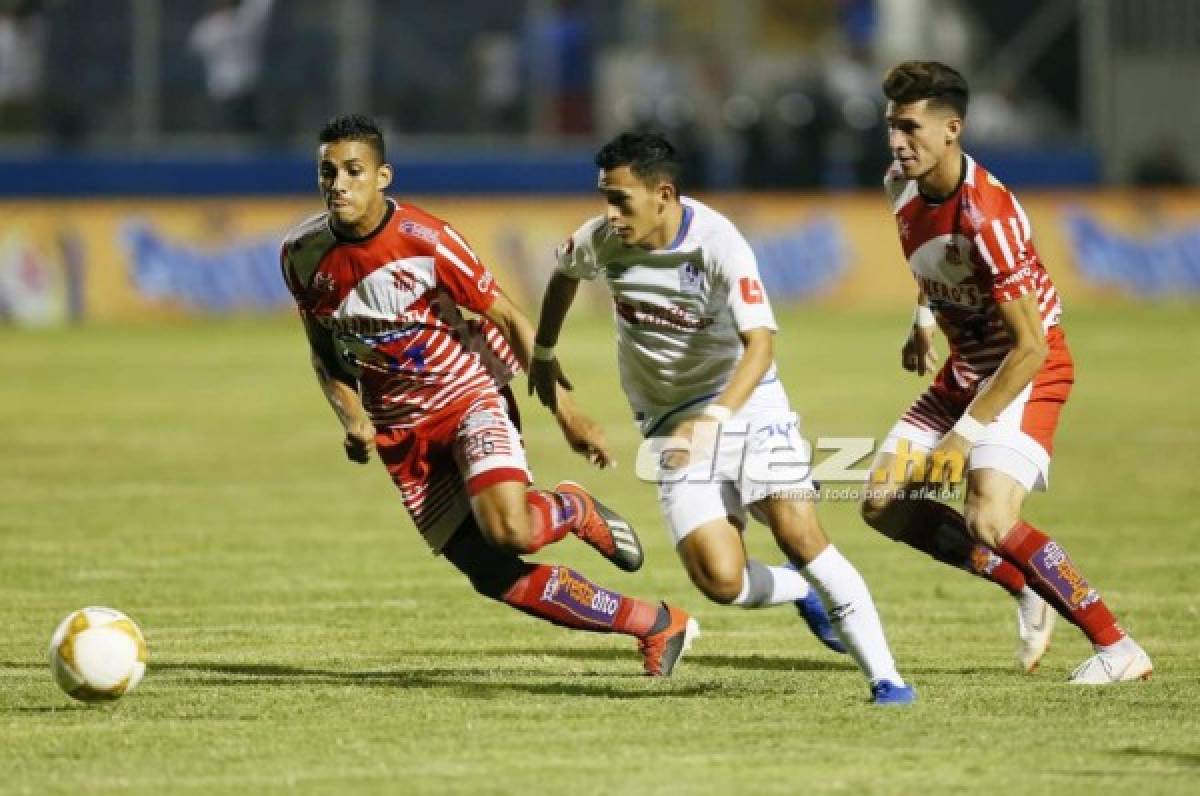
x=913, y=81
x=354, y=127
x=649, y=155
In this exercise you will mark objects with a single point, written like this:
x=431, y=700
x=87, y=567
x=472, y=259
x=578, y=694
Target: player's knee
x=508, y=531
x=721, y=584
x=987, y=525
x=491, y=572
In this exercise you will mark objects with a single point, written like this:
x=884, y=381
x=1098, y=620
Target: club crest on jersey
x=953, y=255
x=324, y=283
x=691, y=278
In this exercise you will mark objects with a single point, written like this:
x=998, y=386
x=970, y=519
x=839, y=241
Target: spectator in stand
x=22, y=39
x=229, y=39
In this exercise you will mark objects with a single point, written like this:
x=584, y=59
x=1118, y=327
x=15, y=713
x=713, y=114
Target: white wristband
x=543, y=353
x=717, y=412
x=969, y=429
x=923, y=317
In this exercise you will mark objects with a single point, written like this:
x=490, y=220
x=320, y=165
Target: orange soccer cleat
x=662, y=650
x=605, y=530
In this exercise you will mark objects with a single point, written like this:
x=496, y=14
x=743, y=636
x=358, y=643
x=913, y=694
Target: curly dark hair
x=649, y=155
x=913, y=81
x=354, y=127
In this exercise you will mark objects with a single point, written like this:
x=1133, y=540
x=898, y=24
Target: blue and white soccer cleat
x=885, y=692
x=812, y=611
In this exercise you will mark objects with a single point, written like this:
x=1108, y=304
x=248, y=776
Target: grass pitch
x=302, y=638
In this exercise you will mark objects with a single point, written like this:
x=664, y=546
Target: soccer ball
x=97, y=654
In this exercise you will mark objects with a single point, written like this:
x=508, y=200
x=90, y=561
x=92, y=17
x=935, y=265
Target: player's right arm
x=918, y=354
x=546, y=377
x=576, y=260
x=338, y=384
x=341, y=391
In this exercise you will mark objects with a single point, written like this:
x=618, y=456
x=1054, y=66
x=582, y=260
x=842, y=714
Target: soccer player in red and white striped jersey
x=381, y=287
x=996, y=401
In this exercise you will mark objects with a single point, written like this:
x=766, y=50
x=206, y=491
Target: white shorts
x=757, y=454
x=1004, y=447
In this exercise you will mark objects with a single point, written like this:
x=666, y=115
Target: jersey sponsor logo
x=410, y=227
x=752, y=291
x=583, y=599
x=365, y=328
x=962, y=294
x=643, y=314
x=904, y=227
x=1057, y=569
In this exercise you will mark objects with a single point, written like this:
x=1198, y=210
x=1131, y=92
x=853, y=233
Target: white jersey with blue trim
x=678, y=309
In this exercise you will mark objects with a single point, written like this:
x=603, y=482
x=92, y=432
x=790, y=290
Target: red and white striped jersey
x=391, y=301
x=969, y=252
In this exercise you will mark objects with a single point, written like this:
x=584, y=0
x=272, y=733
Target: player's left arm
x=1024, y=323
x=755, y=362
x=755, y=322
x=583, y=434
x=1015, y=373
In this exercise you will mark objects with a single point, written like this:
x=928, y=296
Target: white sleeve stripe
x=1012, y=222
x=458, y=239
x=1024, y=219
x=444, y=250
x=981, y=247
x=1002, y=242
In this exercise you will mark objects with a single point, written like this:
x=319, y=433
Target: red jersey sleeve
x=1006, y=258
x=456, y=267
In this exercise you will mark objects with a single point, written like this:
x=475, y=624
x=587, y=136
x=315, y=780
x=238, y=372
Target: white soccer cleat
x=1035, y=624
x=1121, y=663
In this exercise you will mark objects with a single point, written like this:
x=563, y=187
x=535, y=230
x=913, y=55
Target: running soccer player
x=379, y=285
x=995, y=403
x=695, y=339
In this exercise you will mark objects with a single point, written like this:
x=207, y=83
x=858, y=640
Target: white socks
x=763, y=585
x=853, y=614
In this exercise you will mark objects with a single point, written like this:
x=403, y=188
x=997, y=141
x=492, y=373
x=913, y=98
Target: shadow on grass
x=833, y=663
x=1184, y=758
x=472, y=682
x=477, y=681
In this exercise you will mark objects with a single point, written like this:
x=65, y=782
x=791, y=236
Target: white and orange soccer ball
x=97, y=654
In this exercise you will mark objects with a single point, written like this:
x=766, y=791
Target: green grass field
x=302, y=638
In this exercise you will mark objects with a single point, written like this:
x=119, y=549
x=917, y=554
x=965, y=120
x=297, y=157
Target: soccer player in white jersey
x=996, y=401
x=695, y=337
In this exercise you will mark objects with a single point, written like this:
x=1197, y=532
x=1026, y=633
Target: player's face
x=636, y=209
x=352, y=183
x=920, y=137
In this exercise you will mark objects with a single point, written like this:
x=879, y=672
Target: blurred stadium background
x=166, y=452
x=153, y=152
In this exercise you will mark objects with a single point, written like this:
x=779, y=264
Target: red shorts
x=1020, y=440
x=449, y=457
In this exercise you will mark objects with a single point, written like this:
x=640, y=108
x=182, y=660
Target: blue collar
x=684, y=223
